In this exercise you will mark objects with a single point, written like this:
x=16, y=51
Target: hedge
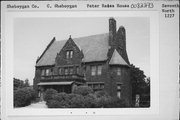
x=49, y=94
x=24, y=97
x=92, y=100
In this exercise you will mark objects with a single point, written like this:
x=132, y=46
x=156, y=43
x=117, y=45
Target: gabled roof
x=116, y=59
x=94, y=48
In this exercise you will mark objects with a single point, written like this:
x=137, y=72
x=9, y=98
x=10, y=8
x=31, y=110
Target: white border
x=7, y=77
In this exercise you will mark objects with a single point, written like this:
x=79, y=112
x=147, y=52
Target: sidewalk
x=37, y=105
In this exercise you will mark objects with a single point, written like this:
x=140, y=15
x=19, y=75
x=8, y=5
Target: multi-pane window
x=69, y=54
x=99, y=69
x=96, y=70
x=66, y=71
x=118, y=87
x=119, y=94
x=60, y=71
x=48, y=72
x=118, y=71
x=93, y=70
x=118, y=90
x=101, y=86
x=96, y=86
x=77, y=70
x=71, y=70
x=43, y=72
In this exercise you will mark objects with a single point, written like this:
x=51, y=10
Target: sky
x=32, y=35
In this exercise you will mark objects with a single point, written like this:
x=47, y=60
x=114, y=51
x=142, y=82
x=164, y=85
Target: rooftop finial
x=69, y=36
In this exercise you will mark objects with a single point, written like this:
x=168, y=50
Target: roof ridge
x=83, y=37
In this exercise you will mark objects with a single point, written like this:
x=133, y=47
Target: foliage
x=20, y=83
x=118, y=103
x=76, y=101
x=140, y=84
x=90, y=101
x=100, y=94
x=98, y=99
x=49, y=94
x=26, y=83
x=23, y=97
x=82, y=90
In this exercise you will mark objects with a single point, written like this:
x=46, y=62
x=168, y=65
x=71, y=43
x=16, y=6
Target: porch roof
x=56, y=83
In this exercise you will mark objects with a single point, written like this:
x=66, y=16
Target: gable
x=64, y=57
x=116, y=59
x=94, y=48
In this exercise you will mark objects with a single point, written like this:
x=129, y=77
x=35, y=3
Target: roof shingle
x=94, y=48
x=116, y=59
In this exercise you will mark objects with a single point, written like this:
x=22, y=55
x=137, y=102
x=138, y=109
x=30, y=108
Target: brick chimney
x=112, y=31
x=121, y=36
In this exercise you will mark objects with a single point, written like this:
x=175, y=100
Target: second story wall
x=95, y=71
x=69, y=59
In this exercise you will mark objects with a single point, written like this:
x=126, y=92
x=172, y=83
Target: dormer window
x=69, y=54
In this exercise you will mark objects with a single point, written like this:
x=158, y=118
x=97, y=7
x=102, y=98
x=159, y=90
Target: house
x=99, y=61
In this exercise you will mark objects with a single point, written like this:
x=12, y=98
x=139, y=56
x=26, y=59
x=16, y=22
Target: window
x=51, y=72
x=101, y=86
x=47, y=72
x=69, y=54
x=60, y=71
x=99, y=70
x=119, y=90
x=118, y=87
x=71, y=71
x=96, y=86
x=90, y=85
x=93, y=70
x=119, y=94
x=77, y=70
x=118, y=71
x=43, y=72
x=66, y=71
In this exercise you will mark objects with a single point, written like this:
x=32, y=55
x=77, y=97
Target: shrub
x=82, y=90
x=23, y=97
x=90, y=101
x=76, y=101
x=104, y=102
x=60, y=97
x=118, y=103
x=55, y=104
x=49, y=94
x=59, y=100
x=99, y=94
x=84, y=99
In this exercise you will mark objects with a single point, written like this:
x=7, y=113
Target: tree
x=18, y=83
x=26, y=83
x=140, y=84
